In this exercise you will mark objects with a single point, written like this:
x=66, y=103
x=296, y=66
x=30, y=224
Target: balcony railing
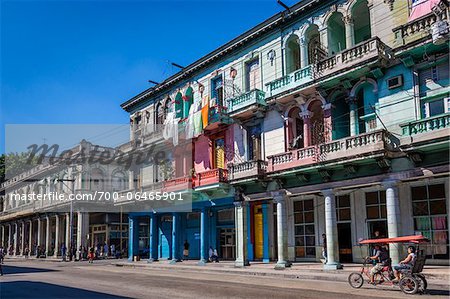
x=421, y=27
x=372, y=49
x=177, y=184
x=294, y=79
x=247, y=169
x=339, y=149
x=217, y=116
x=212, y=176
x=253, y=97
x=426, y=125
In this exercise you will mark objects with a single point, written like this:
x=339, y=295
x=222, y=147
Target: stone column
x=153, y=250
x=68, y=232
x=9, y=237
x=303, y=52
x=82, y=231
x=30, y=237
x=47, y=235
x=16, y=237
x=349, y=31
x=39, y=232
x=331, y=231
x=306, y=115
x=175, y=239
x=240, y=211
x=133, y=237
x=280, y=200
x=353, y=108
x=22, y=239
x=203, y=237
x=55, y=254
x=393, y=218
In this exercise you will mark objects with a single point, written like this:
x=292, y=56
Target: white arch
x=361, y=82
x=308, y=103
x=288, y=37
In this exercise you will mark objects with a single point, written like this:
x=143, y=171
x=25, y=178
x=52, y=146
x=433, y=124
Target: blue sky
x=75, y=62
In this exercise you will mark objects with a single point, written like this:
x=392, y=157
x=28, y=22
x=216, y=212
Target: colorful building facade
x=330, y=118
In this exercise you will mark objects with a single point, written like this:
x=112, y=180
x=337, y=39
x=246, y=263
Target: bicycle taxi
x=412, y=280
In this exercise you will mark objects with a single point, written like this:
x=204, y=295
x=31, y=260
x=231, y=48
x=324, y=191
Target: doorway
x=227, y=244
x=258, y=231
x=345, y=242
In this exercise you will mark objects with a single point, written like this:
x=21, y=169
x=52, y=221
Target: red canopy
x=404, y=239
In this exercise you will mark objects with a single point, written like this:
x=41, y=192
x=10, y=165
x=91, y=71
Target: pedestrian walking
x=186, y=250
x=105, y=250
x=113, y=250
x=63, y=252
x=324, y=248
x=2, y=254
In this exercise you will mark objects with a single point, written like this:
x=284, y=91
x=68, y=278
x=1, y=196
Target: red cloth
x=422, y=8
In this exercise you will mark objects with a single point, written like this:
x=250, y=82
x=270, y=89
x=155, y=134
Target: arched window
x=317, y=123
x=187, y=101
x=179, y=105
x=97, y=180
x=292, y=54
x=295, y=132
x=118, y=181
x=336, y=33
x=340, y=116
x=315, y=50
x=361, y=21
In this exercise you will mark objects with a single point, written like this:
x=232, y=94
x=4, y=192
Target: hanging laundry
x=189, y=129
x=198, y=125
x=171, y=128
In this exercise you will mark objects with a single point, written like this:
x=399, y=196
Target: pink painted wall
x=202, y=154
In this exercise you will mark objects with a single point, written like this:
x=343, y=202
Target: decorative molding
x=390, y=3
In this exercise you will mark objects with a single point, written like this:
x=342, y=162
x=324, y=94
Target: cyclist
x=380, y=260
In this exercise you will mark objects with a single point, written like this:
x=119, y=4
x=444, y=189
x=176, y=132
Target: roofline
x=237, y=42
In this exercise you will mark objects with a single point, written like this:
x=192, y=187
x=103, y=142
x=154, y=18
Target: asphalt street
x=37, y=279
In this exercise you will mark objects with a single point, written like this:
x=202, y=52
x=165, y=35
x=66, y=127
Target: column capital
x=279, y=196
x=306, y=114
x=240, y=204
x=327, y=192
x=390, y=184
x=347, y=19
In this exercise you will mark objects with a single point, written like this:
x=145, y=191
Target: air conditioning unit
x=439, y=32
x=395, y=82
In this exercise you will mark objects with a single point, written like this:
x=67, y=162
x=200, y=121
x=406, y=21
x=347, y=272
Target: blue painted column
x=203, y=236
x=175, y=239
x=249, y=234
x=133, y=237
x=153, y=238
x=265, y=213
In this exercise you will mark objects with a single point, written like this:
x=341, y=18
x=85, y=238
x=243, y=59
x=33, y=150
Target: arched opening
x=361, y=21
x=118, y=181
x=187, y=101
x=366, y=101
x=97, y=180
x=292, y=54
x=315, y=49
x=179, y=105
x=340, y=117
x=295, y=129
x=317, y=124
x=336, y=33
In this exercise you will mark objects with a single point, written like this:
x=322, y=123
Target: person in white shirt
x=406, y=264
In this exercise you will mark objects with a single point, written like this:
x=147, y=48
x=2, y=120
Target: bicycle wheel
x=409, y=285
x=423, y=284
x=356, y=280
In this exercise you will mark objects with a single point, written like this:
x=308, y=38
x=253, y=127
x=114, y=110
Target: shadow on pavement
x=21, y=270
x=34, y=289
x=437, y=292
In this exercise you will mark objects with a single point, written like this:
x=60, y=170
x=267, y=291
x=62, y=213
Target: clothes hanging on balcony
x=419, y=8
x=189, y=129
x=198, y=125
x=205, y=111
x=171, y=128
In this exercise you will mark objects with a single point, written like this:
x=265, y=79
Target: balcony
x=247, y=170
x=217, y=117
x=253, y=98
x=294, y=79
x=431, y=132
x=421, y=27
x=426, y=125
x=372, y=50
x=363, y=144
x=177, y=184
x=209, y=177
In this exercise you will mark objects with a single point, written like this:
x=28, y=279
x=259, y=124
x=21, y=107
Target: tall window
x=254, y=143
x=292, y=54
x=376, y=205
x=343, y=210
x=430, y=218
x=295, y=129
x=217, y=91
x=252, y=74
x=361, y=21
x=219, y=153
x=305, y=237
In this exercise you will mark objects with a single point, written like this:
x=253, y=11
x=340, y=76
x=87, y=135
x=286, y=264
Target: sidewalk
x=436, y=275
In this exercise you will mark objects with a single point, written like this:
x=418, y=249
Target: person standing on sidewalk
x=185, y=250
x=105, y=250
x=63, y=252
x=2, y=254
x=324, y=248
x=91, y=255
